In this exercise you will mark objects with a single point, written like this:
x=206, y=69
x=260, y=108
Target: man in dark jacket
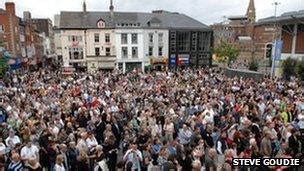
x=72, y=154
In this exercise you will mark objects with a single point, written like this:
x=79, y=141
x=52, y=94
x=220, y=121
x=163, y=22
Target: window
x=124, y=52
x=107, y=38
x=183, y=41
x=203, y=41
x=160, y=37
x=134, y=38
x=151, y=37
x=96, y=37
x=75, y=53
x=124, y=38
x=160, y=51
x=134, y=52
x=79, y=38
x=120, y=66
x=151, y=51
x=1, y=28
x=108, y=51
x=97, y=51
x=75, y=38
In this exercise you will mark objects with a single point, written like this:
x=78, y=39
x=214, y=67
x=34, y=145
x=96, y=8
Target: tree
x=253, y=65
x=300, y=69
x=3, y=65
x=289, y=68
x=226, y=53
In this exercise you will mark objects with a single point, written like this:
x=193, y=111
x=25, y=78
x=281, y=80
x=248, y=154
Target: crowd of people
x=159, y=121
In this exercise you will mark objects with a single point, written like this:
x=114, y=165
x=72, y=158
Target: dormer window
x=101, y=24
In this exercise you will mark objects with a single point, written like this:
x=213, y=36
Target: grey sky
x=206, y=11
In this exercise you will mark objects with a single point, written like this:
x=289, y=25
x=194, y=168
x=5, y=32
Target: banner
x=278, y=49
x=172, y=60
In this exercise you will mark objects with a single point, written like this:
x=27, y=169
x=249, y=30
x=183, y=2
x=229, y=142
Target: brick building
x=250, y=37
x=45, y=27
x=22, y=37
x=9, y=28
x=291, y=31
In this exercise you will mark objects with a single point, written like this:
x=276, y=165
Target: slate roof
x=85, y=20
x=288, y=16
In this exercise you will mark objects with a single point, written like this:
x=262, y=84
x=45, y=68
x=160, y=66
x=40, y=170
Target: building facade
x=190, y=48
x=290, y=29
x=73, y=48
x=130, y=49
x=9, y=26
x=128, y=40
x=249, y=36
x=24, y=37
x=100, y=49
x=45, y=27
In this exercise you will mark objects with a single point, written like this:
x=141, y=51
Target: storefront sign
x=183, y=59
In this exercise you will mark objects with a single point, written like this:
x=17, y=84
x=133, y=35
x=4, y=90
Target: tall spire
x=251, y=12
x=84, y=6
x=111, y=9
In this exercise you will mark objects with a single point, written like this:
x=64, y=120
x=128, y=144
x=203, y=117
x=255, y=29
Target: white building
x=125, y=40
x=100, y=49
x=73, y=48
x=130, y=48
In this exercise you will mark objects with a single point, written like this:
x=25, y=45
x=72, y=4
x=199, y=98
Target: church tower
x=251, y=12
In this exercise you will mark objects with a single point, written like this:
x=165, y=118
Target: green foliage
x=253, y=65
x=289, y=68
x=300, y=69
x=3, y=64
x=226, y=53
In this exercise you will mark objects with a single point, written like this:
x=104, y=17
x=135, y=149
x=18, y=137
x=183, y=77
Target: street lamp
x=274, y=38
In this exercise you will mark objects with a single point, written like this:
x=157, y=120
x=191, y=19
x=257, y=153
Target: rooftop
x=237, y=17
x=162, y=19
x=285, y=17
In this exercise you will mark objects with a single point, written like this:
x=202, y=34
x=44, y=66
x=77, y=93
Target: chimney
x=27, y=16
x=111, y=9
x=84, y=6
x=10, y=7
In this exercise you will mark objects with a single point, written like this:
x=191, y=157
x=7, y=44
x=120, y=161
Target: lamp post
x=274, y=38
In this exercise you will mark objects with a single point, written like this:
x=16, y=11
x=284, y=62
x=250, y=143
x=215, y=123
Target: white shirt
x=169, y=127
x=82, y=145
x=2, y=148
x=59, y=168
x=91, y=142
x=15, y=140
x=31, y=152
